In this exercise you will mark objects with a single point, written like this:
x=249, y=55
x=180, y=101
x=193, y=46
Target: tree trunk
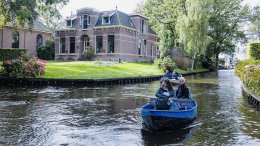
x=217, y=60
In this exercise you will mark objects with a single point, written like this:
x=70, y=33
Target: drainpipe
x=24, y=40
x=2, y=41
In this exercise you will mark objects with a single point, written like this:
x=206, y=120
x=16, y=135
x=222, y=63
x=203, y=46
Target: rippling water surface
x=109, y=115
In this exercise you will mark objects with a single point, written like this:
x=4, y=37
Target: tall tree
x=21, y=12
x=163, y=15
x=255, y=21
x=192, y=27
x=224, y=27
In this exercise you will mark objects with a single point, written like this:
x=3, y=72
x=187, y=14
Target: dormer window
x=71, y=23
x=106, y=17
x=106, y=20
x=85, y=21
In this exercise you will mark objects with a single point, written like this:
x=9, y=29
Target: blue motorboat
x=182, y=112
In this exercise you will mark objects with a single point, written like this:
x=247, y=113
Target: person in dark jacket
x=183, y=90
x=168, y=74
x=163, y=94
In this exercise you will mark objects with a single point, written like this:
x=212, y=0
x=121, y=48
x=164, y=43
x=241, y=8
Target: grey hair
x=182, y=78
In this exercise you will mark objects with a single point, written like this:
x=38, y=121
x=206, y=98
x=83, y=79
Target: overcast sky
x=126, y=6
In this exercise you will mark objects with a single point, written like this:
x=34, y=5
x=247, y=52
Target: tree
x=224, y=27
x=182, y=22
x=192, y=27
x=162, y=16
x=255, y=21
x=22, y=12
x=139, y=8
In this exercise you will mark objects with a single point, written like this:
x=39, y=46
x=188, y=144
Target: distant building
x=25, y=38
x=112, y=34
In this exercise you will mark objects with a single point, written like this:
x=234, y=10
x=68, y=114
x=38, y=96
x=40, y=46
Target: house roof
x=116, y=18
x=37, y=26
x=150, y=30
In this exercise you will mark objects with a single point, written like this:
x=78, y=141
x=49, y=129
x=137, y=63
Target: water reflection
x=177, y=136
x=109, y=115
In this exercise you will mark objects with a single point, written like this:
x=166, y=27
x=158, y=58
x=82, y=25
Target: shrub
x=14, y=67
x=8, y=54
x=88, y=54
x=249, y=72
x=47, y=52
x=20, y=68
x=254, y=50
x=33, y=69
x=165, y=63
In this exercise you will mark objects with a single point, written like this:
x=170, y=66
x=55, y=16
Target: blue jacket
x=168, y=75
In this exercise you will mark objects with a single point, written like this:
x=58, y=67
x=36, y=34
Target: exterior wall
x=27, y=39
x=125, y=43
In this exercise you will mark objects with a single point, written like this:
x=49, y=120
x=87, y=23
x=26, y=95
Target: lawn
x=99, y=70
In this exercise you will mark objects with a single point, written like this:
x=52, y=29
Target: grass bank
x=101, y=70
x=249, y=72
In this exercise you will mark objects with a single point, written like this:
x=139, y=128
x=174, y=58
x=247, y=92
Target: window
x=15, y=41
x=86, y=42
x=142, y=26
x=71, y=23
x=72, y=45
x=145, y=48
x=38, y=40
x=99, y=44
x=151, y=50
x=85, y=21
x=139, y=47
x=111, y=44
x=62, y=45
x=106, y=20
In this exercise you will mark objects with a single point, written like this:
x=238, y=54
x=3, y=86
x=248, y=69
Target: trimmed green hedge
x=254, y=50
x=249, y=72
x=8, y=54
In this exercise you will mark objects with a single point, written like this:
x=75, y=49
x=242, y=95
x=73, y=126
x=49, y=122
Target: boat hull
x=168, y=119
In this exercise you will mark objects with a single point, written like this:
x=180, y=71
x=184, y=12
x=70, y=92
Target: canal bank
x=83, y=82
x=251, y=96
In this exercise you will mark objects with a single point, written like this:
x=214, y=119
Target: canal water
x=109, y=115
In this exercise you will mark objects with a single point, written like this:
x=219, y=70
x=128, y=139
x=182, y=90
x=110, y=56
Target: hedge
x=254, y=50
x=249, y=72
x=8, y=54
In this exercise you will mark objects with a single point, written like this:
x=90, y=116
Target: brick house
x=25, y=38
x=112, y=34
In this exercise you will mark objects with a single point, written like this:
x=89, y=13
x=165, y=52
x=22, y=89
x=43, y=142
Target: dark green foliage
x=164, y=64
x=88, y=54
x=254, y=50
x=47, y=52
x=7, y=54
x=22, y=12
x=21, y=68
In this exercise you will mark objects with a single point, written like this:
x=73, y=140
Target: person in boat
x=175, y=74
x=183, y=90
x=168, y=74
x=163, y=94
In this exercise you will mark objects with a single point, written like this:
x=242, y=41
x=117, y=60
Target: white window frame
x=103, y=20
x=82, y=20
x=86, y=41
x=60, y=45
